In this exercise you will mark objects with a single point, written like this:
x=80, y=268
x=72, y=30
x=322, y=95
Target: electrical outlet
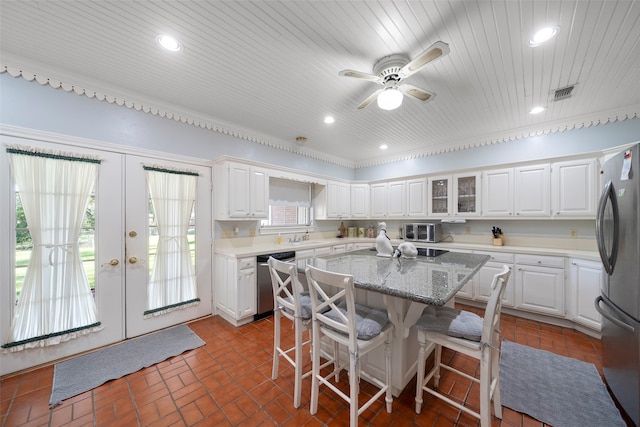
x=573, y=232
x=226, y=234
x=467, y=230
x=252, y=233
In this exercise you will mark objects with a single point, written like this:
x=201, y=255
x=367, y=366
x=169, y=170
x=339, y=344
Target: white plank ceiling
x=267, y=71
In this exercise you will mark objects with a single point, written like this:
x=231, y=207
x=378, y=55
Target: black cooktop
x=430, y=252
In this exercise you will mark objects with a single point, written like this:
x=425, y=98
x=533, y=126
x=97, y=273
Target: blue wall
x=568, y=143
x=34, y=106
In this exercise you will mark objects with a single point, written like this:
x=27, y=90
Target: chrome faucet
x=295, y=239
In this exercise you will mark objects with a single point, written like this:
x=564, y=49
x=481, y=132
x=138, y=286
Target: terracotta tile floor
x=227, y=383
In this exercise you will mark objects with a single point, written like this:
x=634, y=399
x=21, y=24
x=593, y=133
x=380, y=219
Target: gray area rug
x=83, y=373
x=556, y=390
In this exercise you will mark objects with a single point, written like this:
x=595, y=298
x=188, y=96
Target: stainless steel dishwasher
x=263, y=279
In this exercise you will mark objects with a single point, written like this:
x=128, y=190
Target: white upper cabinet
x=566, y=189
x=466, y=194
x=416, y=198
x=454, y=195
x=360, y=200
x=440, y=196
x=379, y=200
x=532, y=186
x=497, y=192
x=333, y=200
x=397, y=199
x=574, y=188
x=241, y=191
x=523, y=191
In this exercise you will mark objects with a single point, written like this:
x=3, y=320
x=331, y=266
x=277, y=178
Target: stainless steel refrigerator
x=617, y=228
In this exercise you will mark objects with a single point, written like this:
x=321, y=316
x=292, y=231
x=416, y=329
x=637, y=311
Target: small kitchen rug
x=86, y=372
x=557, y=390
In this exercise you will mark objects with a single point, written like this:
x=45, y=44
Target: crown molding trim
x=184, y=117
x=193, y=119
x=574, y=123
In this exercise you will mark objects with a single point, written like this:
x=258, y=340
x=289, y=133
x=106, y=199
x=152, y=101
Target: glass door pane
x=467, y=194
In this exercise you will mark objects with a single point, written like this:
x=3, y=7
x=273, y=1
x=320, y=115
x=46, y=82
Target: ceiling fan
x=391, y=70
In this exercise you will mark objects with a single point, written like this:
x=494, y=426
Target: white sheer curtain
x=172, y=283
x=56, y=303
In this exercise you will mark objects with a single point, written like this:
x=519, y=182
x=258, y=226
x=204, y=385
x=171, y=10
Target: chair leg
x=387, y=355
x=276, y=344
x=353, y=390
x=297, y=389
x=485, y=387
x=495, y=373
x=336, y=360
x=420, y=375
x=437, y=362
x=315, y=369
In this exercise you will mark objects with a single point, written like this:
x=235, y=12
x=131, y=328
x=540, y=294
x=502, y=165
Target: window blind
x=284, y=192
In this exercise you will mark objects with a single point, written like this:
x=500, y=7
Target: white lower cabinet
x=585, y=280
x=235, y=288
x=483, y=279
x=539, y=284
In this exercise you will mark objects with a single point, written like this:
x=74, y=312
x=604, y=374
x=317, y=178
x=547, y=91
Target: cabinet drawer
x=541, y=260
x=498, y=257
x=244, y=263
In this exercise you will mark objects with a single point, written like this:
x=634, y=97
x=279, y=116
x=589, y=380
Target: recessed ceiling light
x=329, y=119
x=169, y=43
x=537, y=110
x=384, y=146
x=543, y=35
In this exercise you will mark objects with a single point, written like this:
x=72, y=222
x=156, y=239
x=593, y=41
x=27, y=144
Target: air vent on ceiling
x=563, y=93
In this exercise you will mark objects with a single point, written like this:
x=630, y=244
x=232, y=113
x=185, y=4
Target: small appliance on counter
x=423, y=232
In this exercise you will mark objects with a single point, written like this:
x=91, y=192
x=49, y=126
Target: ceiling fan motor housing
x=388, y=67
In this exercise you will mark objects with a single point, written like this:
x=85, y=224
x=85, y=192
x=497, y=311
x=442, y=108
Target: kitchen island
x=404, y=287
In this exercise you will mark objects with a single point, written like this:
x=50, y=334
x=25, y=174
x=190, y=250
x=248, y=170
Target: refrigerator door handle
x=608, y=195
x=618, y=322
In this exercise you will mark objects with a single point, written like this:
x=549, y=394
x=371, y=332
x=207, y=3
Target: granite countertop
x=229, y=247
x=427, y=280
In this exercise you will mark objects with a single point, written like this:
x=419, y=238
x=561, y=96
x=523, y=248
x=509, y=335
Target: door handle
x=113, y=262
x=133, y=260
x=612, y=319
x=608, y=260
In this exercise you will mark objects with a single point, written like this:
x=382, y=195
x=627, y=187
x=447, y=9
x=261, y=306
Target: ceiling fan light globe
x=389, y=99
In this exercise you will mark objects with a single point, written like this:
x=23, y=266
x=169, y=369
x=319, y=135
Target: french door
x=123, y=247
x=140, y=246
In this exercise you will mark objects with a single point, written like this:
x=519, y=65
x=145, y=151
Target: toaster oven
x=423, y=232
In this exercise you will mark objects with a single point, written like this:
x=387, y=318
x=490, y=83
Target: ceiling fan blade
x=361, y=75
x=364, y=104
x=416, y=92
x=435, y=51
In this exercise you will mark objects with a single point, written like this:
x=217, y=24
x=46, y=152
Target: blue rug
x=556, y=390
x=86, y=372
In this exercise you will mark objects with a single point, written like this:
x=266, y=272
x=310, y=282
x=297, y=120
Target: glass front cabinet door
x=440, y=196
x=466, y=194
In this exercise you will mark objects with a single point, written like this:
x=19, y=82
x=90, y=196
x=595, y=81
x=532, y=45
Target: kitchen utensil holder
x=497, y=241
